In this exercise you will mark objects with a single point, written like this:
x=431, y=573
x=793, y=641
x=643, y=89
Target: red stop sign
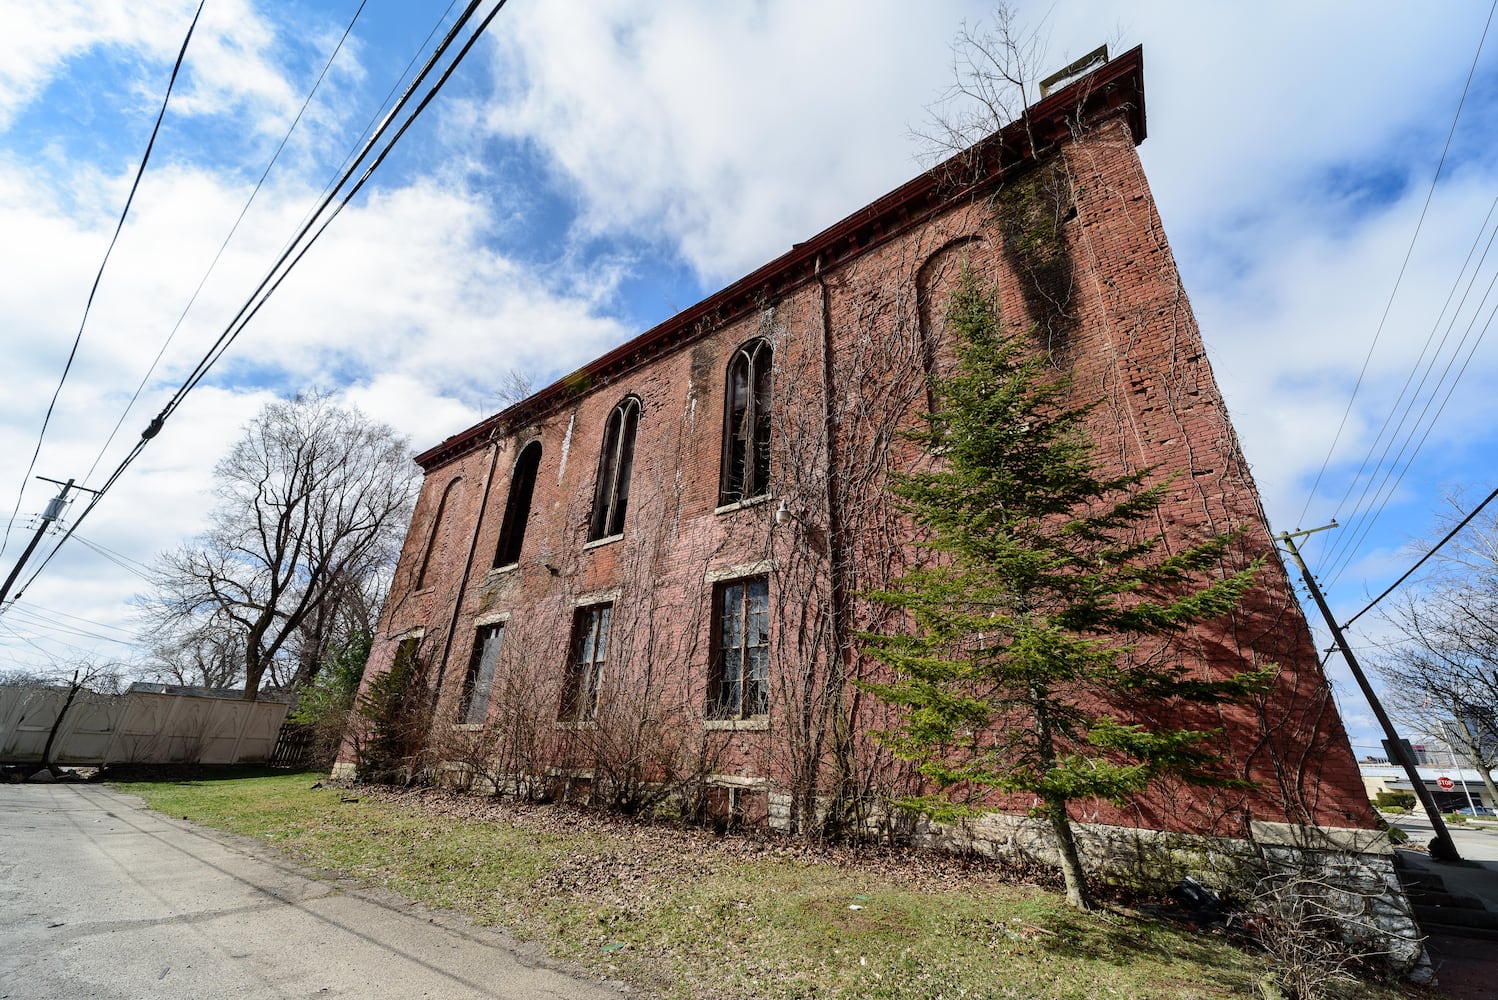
x=1446, y=783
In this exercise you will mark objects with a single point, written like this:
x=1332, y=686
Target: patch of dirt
x=655, y=848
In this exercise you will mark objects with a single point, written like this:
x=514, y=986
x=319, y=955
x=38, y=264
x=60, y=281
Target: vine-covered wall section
x=855, y=318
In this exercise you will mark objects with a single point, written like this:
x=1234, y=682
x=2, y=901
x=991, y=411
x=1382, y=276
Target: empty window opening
x=739, y=686
x=518, y=507
x=746, y=424
x=480, y=678
x=590, y=640
x=436, y=538
x=615, y=464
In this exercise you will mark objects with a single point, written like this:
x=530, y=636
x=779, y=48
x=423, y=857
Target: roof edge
x=1115, y=88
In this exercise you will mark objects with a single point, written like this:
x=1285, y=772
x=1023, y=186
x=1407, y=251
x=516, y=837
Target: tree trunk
x=1071, y=862
x=1475, y=759
x=73, y=688
x=254, y=671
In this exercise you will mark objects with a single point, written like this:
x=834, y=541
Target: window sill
x=578, y=726
x=499, y=571
x=599, y=543
x=758, y=724
x=729, y=508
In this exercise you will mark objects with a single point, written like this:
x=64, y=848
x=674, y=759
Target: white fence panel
x=158, y=725
x=27, y=715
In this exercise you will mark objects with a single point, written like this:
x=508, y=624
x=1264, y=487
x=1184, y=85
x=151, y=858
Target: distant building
x=1467, y=787
x=1476, y=726
x=657, y=563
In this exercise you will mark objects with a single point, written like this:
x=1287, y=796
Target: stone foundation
x=1349, y=873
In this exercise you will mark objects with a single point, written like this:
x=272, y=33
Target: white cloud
x=1290, y=148
x=231, y=57
x=403, y=307
x=727, y=131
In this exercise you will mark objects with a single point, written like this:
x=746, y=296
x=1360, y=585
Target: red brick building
x=648, y=574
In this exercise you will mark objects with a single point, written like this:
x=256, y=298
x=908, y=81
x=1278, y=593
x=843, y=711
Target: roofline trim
x=1113, y=89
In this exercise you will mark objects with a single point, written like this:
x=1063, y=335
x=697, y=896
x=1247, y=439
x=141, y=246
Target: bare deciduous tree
x=206, y=652
x=1443, y=680
x=514, y=385
x=312, y=501
x=994, y=69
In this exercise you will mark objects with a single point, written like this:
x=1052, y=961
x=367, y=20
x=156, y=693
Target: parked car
x=1475, y=811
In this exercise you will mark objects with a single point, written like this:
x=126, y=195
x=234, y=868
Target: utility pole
x=1443, y=844
x=54, y=510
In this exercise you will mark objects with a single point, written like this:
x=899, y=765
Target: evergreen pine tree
x=1044, y=570
x=323, y=706
x=393, y=713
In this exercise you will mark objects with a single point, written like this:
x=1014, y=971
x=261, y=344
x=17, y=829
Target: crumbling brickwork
x=1055, y=213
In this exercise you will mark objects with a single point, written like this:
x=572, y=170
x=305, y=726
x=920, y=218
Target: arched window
x=437, y=535
x=615, y=462
x=518, y=507
x=746, y=425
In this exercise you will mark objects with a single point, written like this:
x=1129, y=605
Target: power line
x=272, y=279
x=38, y=611
x=121, y=560
x=1347, y=544
x=73, y=353
x=373, y=119
x=1383, y=496
x=28, y=616
x=1386, y=490
x=282, y=267
x=1429, y=427
x=225, y=245
x=1408, y=253
x=1436, y=548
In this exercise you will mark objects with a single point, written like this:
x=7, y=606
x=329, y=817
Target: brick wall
x=852, y=337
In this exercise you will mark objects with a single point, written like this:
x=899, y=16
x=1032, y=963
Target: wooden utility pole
x=1443, y=845
x=54, y=510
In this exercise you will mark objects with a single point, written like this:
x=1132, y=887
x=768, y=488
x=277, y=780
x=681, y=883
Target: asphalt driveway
x=101, y=898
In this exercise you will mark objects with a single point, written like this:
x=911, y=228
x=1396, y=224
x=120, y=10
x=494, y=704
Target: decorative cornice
x=1114, y=89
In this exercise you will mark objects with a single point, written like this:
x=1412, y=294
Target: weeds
x=680, y=912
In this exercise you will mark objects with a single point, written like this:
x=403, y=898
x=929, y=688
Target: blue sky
x=594, y=168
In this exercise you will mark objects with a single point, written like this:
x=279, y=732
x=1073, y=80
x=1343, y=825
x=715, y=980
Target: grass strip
x=687, y=914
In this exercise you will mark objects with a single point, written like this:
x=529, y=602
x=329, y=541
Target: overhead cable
x=286, y=262
x=1471, y=73
x=1388, y=493
x=78, y=339
x=1336, y=549
x=225, y=244
x=1434, y=549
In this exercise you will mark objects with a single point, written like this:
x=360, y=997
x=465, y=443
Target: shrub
x=1403, y=800
x=393, y=715
x=323, y=706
